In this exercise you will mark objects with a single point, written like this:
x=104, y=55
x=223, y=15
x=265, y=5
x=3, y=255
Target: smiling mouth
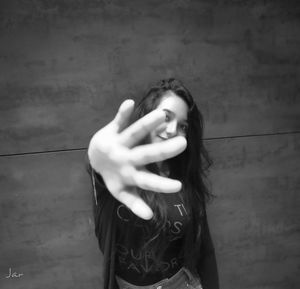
x=161, y=137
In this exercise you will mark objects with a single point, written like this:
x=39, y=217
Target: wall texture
x=65, y=66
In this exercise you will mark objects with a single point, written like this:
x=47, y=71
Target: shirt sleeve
x=207, y=265
x=99, y=190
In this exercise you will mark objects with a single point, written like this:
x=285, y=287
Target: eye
x=167, y=118
x=183, y=128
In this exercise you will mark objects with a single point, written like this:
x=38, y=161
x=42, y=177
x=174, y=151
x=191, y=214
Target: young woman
x=148, y=169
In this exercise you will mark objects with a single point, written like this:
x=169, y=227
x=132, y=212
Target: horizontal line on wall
x=250, y=135
x=205, y=139
x=43, y=152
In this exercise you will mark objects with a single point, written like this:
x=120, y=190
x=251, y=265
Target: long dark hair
x=189, y=167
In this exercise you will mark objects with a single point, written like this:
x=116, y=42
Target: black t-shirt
x=105, y=209
x=135, y=260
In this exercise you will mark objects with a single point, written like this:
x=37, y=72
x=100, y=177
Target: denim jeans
x=183, y=279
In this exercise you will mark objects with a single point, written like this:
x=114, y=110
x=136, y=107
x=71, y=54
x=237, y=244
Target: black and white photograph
x=149, y=144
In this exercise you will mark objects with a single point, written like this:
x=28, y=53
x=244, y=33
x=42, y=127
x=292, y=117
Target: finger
x=152, y=182
x=122, y=117
x=142, y=127
x=155, y=152
x=135, y=204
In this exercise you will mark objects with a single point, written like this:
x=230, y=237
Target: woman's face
x=176, y=123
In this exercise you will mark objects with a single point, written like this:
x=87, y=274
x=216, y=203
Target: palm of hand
x=113, y=154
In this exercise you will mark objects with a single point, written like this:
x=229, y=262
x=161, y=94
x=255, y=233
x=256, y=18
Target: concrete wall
x=65, y=66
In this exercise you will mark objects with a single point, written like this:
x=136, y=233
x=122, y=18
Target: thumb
x=123, y=115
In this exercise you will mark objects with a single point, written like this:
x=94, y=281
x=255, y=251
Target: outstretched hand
x=113, y=152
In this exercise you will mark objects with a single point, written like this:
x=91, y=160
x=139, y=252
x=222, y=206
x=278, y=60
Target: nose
x=171, y=129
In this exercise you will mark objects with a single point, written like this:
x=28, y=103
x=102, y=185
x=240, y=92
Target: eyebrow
x=172, y=113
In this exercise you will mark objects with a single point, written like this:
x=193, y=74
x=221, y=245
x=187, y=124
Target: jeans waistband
x=183, y=276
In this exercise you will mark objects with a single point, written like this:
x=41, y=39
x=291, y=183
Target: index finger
x=142, y=127
x=156, y=152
